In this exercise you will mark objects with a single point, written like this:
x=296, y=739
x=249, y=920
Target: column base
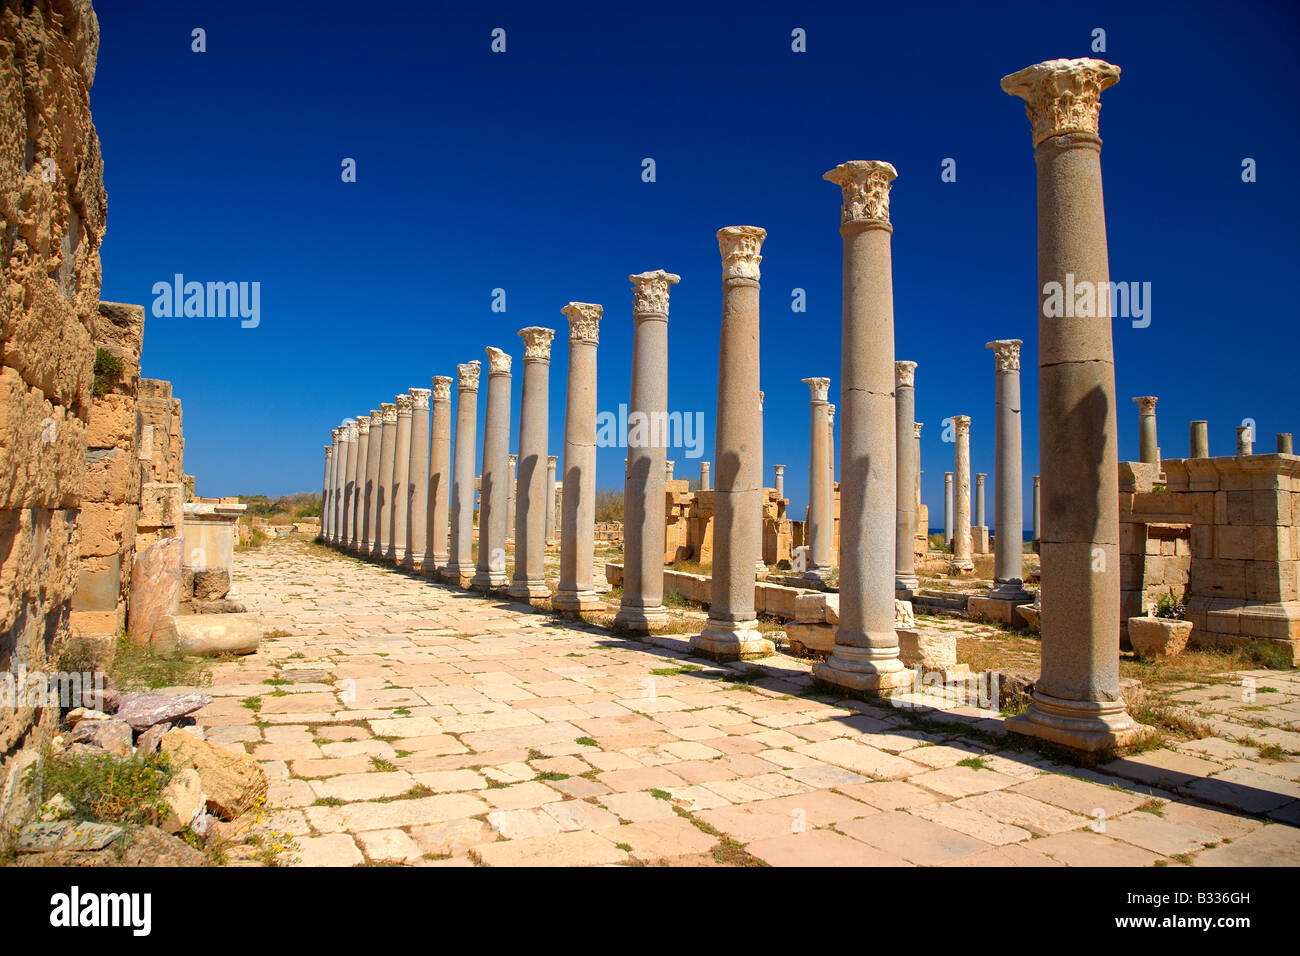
x=855, y=670
x=641, y=619
x=732, y=641
x=453, y=575
x=577, y=601
x=432, y=564
x=961, y=566
x=488, y=580
x=761, y=570
x=528, y=591
x=397, y=555
x=1090, y=726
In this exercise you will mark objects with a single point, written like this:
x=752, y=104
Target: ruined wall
x=688, y=518
x=53, y=208
x=163, y=485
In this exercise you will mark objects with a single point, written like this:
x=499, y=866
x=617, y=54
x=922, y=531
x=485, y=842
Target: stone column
x=384, y=489
x=916, y=426
x=336, y=483
x=1245, y=440
x=830, y=462
x=780, y=480
x=325, y=490
x=644, y=531
x=979, y=500
x=512, y=462
x=732, y=632
x=905, y=494
x=821, y=517
x=531, y=491
x=1147, y=450
x=947, y=507
x=440, y=483
x=961, y=540
x=357, y=530
x=1008, y=481
x=460, y=559
x=370, y=533
x=348, y=482
x=578, y=517
x=865, y=656
x=669, y=465
x=1076, y=701
x=397, y=549
x=1038, y=512
x=417, y=535
x=490, y=569
x=1284, y=443
x=1199, y=440
x=704, y=476
x=552, y=461
x=760, y=564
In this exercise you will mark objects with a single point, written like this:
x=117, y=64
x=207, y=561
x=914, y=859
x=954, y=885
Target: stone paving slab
x=433, y=726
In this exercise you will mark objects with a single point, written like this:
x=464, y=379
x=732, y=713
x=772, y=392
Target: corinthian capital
x=388, y=413
x=584, y=321
x=420, y=397
x=337, y=434
x=916, y=430
x=865, y=186
x=962, y=424
x=1062, y=96
x=1146, y=404
x=740, y=247
x=1006, y=354
x=404, y=403
x=498, y=361
x=904, y=374
x=350, y=430
x=650, y=291
x=466, y=376
x=376, y=417
x=537, y=343
x=442, y=386
x=818, y=387
x=363, y=425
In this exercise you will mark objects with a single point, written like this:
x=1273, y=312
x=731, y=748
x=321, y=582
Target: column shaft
x=460, y=563
x=529, y=579
x=359, y=484
x=417, y=534
x=905, y=494
x=371, y=528
x=1008, y=482
x=578, y=516
x=384, y=492
x=490, y=568
x=397, y=549
x=436, y=552
x=821, y=517
x=1199, y=440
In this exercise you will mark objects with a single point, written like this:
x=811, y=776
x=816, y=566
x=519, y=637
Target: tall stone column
x=1284, y=444
x=947, y=507
x=387, y=453
x=551, y=462
x=440, y=483
x=961, y=540
x=1076, y=699
x=905, y=494
x=821, y=517
x=760, y=564
x=644, y=531
x=326, y=488
x=1199, y=440
x=370, y=534
x=916, y=426
x=1245, y=440
x=979, y=500
x=357, y=529
x=460, y=560
x=830, y=461
x=417, y=534
x=780, y=480
x=397, y=550
x=1008, y=480
x=490, y=569
x=512, y=462
x=336, y=483
x=347, y=481
x=1038, y=511
x=578, y=516
x=731, y=631
x=865, y=655
x=533, y=491
x=1147, y=448
x=705, y=478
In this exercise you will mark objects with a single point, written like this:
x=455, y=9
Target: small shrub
x=105, y=788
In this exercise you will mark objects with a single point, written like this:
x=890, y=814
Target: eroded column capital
x=336, y=434
x=780, y=469
x=442, y=387
x=1006, y=354
x=864, y=184
x=819, y=387
x=740, y=247
x=1062, y=96
x=404, y=404
x=1146, y=404
x=537, y=343
x=350, y=431
x=376, y=416
x=962, y=424
x=363, y=425
x=498, y=361
x=904, y=374
x=420, y=397
x=551, y=460
x=584, y=321
x=388, y=413
x=329, y=452
x=650, y=292
x=511, y=459
x=466, y=376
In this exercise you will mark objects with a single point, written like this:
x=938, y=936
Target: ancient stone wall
x=688, y=516
x=53, y=208
x=164, y=486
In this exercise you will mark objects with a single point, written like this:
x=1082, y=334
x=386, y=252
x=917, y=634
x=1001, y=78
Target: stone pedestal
x=397, y=548
x=905, y=579
x=732, y=632
x=644, y=531
x=532, y=491
x=460, y=560
x=961, y=540
x=436, y=552
x=1077, y=700
x=821, y=502
x=865, y=656
x=1009, y=555
x=1148, y=450
x=417, y=535
x=578, y=517
x=490, y=568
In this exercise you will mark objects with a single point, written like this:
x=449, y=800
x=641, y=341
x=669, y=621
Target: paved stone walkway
x=402, y=721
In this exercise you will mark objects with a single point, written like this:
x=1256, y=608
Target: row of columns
x=1199, y=435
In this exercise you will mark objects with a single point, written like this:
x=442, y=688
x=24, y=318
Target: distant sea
x=1028, y=535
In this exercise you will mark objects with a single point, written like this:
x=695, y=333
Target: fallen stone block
x=143, y=710
x=207, y=635
x=184, y=798
x=66, y=835
x=111, y=735
x=933, y=650
x=233, y=783
x=818, y=638
x=155, y=587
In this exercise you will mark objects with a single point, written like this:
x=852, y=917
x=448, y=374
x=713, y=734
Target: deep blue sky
x=523, y=171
